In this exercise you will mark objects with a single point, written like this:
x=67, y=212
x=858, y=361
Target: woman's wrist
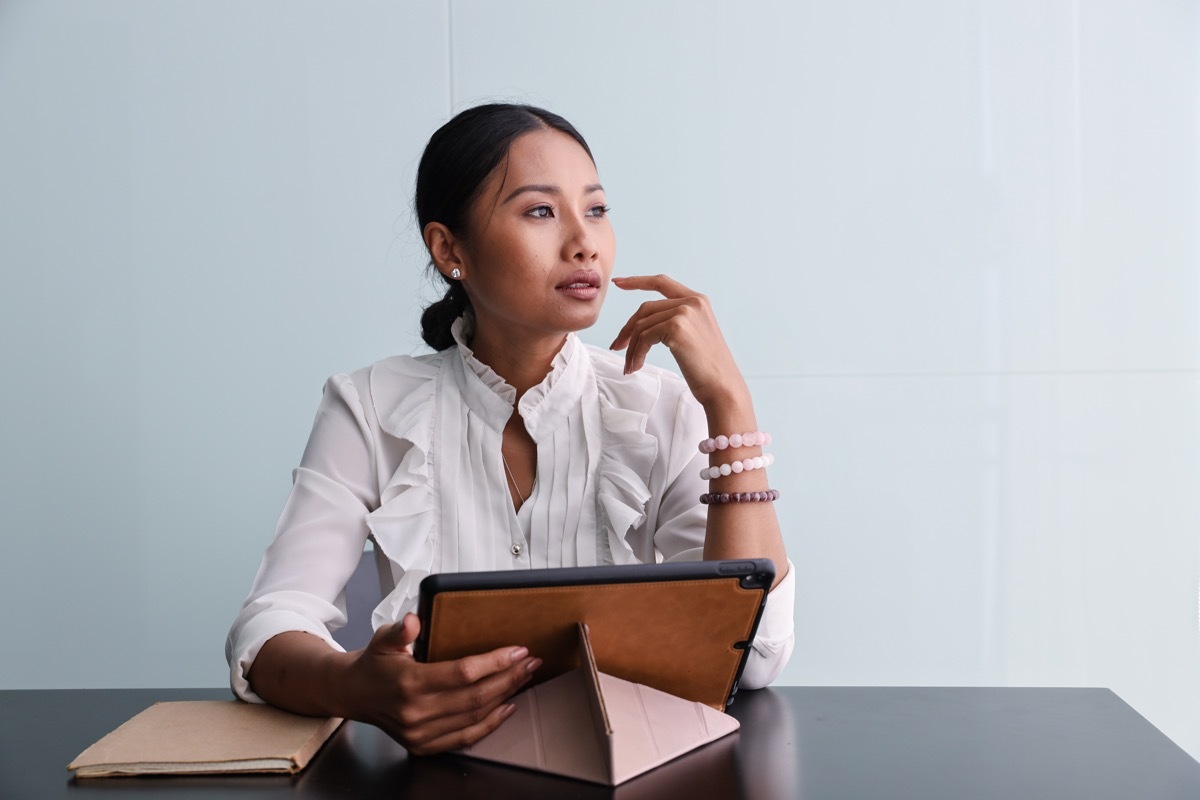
x=337, y=685
x=729, y=410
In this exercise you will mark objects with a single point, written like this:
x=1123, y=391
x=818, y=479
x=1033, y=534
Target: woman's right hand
x=431, y=708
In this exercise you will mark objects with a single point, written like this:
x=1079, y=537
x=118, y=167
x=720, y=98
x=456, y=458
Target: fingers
x=655, y=329
x=647, y=309
x=670, y=322
x=433, y=721
x=679, y=299
x=453, y=694
x=462, y=737
x=450, y=675
x=490, y=690
x=464, y=708
x=433, y=707
x=667, y=287
x=684, y=321
x=396, y=637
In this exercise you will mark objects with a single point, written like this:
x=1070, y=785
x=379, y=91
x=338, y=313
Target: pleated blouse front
x=407, y=451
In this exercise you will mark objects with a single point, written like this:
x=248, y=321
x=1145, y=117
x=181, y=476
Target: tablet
x=684, y=628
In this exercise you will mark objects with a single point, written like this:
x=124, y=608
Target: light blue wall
x=954, y=245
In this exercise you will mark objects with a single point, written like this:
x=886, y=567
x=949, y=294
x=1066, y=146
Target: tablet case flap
x=591, y=726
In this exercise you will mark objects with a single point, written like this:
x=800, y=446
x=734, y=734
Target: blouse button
x=515, y=549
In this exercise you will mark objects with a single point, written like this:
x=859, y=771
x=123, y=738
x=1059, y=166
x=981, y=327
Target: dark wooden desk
x=795, y=742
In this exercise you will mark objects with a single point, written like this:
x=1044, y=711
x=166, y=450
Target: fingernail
x=507, y=711
x=519, y=653
x=532, y=665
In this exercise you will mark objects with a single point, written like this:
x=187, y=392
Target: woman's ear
x=445, y=250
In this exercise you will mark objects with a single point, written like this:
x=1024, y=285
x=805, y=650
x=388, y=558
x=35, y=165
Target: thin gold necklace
x=508, y=469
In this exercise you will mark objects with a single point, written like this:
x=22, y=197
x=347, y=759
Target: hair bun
x=438, y=317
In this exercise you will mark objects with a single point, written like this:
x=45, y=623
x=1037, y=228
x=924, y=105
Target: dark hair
x=457, y=161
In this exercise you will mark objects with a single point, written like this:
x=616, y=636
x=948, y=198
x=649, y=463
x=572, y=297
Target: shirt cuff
x=255, y=633
x=776, y=636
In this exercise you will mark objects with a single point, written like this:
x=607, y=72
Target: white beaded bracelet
x=734, y=467
x=751, y=439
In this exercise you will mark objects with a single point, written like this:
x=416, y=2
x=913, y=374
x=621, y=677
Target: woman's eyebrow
x=546, y=188
x=533, y=187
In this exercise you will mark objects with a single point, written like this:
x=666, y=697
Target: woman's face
x=540, y=250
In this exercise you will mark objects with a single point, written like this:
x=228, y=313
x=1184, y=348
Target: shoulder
x=396, y=375
x=390, y=389
x=406, y=370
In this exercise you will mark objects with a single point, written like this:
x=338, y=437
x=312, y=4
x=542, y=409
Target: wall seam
x=450, y=56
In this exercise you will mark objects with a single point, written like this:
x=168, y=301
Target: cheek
x=527, y=249
x=609, y=247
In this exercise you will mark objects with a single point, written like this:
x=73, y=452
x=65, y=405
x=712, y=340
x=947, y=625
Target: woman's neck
x=522, y=361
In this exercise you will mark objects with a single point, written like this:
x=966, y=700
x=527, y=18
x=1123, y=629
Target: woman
x=513, y=446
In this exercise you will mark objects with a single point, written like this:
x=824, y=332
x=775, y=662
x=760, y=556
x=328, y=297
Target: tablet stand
x=591, y=726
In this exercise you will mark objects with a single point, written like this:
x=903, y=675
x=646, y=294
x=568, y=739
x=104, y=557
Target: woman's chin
x=588, y=322
x=582, y=316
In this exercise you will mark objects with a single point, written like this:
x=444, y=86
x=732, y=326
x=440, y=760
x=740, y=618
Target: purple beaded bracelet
x=720, y=498
x=751, y=439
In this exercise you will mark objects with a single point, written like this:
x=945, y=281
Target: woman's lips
x=582, y=285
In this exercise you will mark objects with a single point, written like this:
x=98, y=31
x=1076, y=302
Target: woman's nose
x=580, y=243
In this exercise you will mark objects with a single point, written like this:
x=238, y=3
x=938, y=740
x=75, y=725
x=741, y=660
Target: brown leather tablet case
x=688, y=638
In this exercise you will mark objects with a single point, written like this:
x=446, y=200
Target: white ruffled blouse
x=407, y=451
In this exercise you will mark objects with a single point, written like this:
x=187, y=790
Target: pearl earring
x=455, y=274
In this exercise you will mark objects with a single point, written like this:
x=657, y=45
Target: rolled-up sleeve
x=319, y=539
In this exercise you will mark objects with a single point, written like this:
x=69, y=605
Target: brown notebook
x=206, y=737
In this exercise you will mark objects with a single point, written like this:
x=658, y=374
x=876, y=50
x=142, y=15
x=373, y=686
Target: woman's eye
x=599, y=211
x=541, y=212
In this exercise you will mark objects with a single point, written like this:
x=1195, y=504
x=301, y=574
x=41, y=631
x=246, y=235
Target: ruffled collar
x=544, y=406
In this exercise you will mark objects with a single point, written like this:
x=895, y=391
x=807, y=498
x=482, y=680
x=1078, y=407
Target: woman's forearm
x=301, y=673
x=740, y=530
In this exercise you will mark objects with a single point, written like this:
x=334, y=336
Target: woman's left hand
x=685, y=323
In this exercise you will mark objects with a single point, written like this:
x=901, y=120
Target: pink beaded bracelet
x=751, y=439
x=734, y=467
x=720, y=498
